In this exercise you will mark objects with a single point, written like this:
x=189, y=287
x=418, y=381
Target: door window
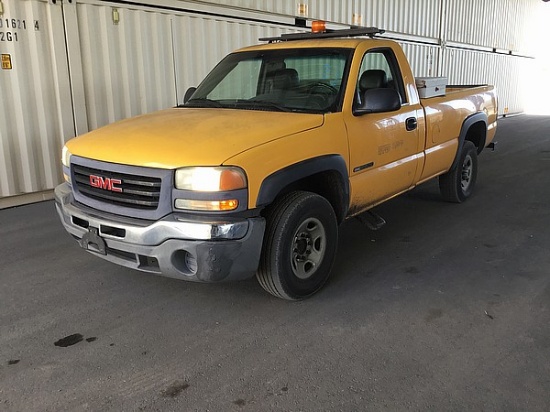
x=379, y=69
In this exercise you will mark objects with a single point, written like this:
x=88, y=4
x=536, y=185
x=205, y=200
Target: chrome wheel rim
x=308, y=248
x=466, y=175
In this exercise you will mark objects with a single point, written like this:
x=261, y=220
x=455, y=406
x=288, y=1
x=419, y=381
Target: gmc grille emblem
x=105, y=183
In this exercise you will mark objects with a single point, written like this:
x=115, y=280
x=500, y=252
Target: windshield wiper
x=262, y=104
x=202, y=102
x=248, y=104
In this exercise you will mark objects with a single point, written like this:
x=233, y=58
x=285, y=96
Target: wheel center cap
x=302, y=243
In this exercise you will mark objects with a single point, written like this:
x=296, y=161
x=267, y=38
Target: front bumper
x=180, y=246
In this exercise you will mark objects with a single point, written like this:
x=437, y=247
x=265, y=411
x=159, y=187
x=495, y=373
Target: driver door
x=384, y=147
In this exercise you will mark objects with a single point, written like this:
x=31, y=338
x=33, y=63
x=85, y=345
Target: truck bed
x=445, y=115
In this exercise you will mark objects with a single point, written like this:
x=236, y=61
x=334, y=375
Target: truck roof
x=346, y=38
x=347, y=43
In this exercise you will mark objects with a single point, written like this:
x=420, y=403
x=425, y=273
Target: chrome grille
x=139, y=192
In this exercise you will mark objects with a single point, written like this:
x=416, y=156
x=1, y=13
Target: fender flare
x=470, y=120
x=273, y=184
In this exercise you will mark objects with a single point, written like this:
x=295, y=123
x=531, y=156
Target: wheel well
x=477, y=135
x=327, y=184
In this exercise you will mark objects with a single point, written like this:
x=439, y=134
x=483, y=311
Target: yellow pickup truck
x=279, y=144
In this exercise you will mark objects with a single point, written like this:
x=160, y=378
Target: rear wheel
x=299, y=246
x=458, y=184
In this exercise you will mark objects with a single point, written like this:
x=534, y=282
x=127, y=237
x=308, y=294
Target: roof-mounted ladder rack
x=329, y=34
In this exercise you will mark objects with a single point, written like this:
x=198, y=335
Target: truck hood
x=180, y=137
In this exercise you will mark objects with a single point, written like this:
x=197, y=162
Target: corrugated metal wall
x=473, y=67
x=78, y=70
x=128, y=67
x=330, y=10
x=413, y=17
x=82, y=64
x=504, y=24
x=212, y=40
x=149, y=57
x=35, y=102
x=424, y=59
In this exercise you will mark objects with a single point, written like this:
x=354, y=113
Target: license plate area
x=93, y=242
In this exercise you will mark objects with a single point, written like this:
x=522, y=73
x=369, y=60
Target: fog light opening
x=185, y=262
x=191, y=262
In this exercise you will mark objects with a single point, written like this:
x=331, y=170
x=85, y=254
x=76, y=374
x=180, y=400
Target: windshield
x=292, y=80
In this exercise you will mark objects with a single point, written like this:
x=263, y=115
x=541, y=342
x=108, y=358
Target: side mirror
x=188, y=94
x=378, y=101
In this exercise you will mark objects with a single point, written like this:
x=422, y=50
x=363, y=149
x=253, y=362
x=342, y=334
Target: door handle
x=411, y=124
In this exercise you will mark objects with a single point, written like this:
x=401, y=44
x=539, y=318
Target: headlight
x=210, y=179
x=222, y=188
x=66, y=160
x=65, y=156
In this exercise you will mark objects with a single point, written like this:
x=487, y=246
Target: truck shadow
x=413, y=224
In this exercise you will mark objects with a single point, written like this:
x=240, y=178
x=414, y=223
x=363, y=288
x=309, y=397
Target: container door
x=36, y=115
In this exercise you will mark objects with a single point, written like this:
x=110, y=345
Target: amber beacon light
x=318, y=26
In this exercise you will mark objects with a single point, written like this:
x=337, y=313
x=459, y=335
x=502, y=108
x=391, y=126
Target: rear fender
x=468, y=123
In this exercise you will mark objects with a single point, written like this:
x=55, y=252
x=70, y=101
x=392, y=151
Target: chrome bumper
x=184, y=247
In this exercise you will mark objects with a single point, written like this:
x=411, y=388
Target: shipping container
x=213, y=40
x=503, y=25
x=474, y=67
x=424, y=59
x=127, y=62
x=35, y=99
x=329, y=10
x=421, y=18
x=73, y=66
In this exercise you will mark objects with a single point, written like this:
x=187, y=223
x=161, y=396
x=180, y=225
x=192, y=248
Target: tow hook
x=492, y=146
x=371, y=219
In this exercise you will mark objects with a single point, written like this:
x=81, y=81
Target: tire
x=299, y=246
x=458, y=184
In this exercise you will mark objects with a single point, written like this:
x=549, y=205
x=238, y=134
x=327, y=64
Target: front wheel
x=299, y=246
x=458, y=184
